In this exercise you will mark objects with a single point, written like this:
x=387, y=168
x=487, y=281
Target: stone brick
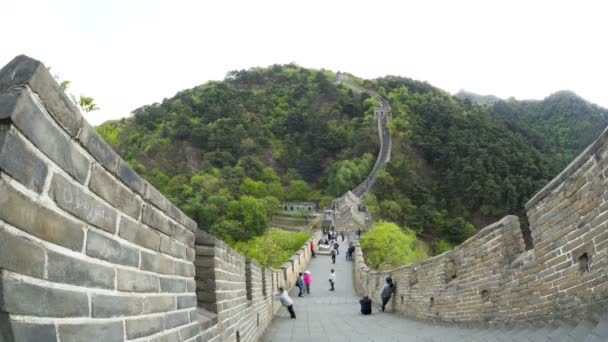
x=181, y=218
x=176, y=319
x=20, y=161
x=110, y=189
x=15, y=331
x=98, y=147
x=74, y=200
x=139, y=234
x=133, y=281
x=184, y=269
x=168, y=246
x=142, y=327
x=170, y=337
x=17, y=209
x=155, y=219
x=23, y=70
x=21, y=255
x=189, y=331
x=190, y=254
x=68, y=270
x=130, y=177
x=186, y=302
x=102, y=247
x=156, y=263
x=184, y=236
x=18, y=297
x=39, y=129
x=154, y=304
x=156, y=198
x=172, y=285
x=87, y=332
x=105, y=306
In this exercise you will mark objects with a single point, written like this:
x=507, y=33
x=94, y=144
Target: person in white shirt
x=332, y=279
x=283, y=296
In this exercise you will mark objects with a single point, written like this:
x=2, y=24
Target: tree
x=386, y=245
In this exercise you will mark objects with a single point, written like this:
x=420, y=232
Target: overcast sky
x=126, y=54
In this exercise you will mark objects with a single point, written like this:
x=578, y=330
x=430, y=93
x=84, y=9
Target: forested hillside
x=228, y=152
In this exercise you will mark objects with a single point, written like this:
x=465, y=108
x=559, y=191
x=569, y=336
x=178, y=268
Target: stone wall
x=89, y=251
x=491, y=277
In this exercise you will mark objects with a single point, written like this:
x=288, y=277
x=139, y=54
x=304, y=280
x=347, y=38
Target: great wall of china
x=91, y=251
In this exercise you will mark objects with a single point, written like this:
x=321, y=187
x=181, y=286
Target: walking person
x=307, y=281
x=333, y=253
x=387, y=292
x=312, y=249
x=300, y=285
x=332, y=279
x=337, y=247
x=350, y=251
x=286, y=301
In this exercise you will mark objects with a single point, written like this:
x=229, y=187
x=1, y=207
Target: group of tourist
x=385, y=295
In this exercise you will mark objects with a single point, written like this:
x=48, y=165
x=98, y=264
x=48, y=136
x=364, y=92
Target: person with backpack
x=387, y=292
x=283, y=296
x=307, y=281
x=300, y=285
x=333, y=255
x=332, y=279
x=350, y=251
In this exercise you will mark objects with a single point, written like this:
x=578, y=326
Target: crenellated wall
x=90, y=251
x=490, y=277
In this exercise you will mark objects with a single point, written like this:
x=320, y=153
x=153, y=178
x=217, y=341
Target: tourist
x=359, y=232
x=342, y=234
x=336, y=247
x=286, y=301
x=312, y=249
x=387, y=292
x=300, y=285
x=333, y=253
x=332, y=279
x=366, y=305
x=350, y=251
x=307, y=281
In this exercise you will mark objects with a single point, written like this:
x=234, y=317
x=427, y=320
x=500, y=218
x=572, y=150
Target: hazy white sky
x=127, y=54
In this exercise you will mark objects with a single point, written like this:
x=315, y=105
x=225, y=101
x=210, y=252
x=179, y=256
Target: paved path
x=334, y=316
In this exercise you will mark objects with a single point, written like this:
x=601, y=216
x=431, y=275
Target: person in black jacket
x=366, y=305
x=387, y=292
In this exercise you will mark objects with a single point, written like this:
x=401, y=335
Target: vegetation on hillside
x=387, y=246
x=273, y=248
x=229, y=152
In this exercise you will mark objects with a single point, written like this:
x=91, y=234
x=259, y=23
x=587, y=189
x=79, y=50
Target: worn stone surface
x=155, y=219
x=87, y=332
x=40, y=130
x=17, y=209
x=69, y=270
x=15, y=331
x=105, y=248
x=131, y=179
x=175, y=319
x=21, y=298
x=156, y=263
x=21, y=255
x=133, y=281
x=142, y=327
x=23, y=70
x=74, y=200
x=154, y=304
x=139, y=234
x=105, y=306
x=19, y=161
x=99, y=148
x=110, y=189
x=169, y=246
x=172, y=285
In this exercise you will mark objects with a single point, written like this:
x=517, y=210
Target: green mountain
x=228, y=152
x=482, y=100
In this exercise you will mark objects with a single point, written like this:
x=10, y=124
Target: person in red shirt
x=312, y=249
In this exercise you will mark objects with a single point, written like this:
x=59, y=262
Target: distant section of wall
x=239, y=290
x=90, y=251
x=491, y=277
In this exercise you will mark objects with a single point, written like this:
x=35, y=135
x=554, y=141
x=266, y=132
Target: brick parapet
x=91, y=251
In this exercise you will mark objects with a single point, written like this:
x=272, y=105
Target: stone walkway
x=334, y=316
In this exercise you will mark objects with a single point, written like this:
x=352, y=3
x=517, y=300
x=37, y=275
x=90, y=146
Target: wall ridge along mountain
x=90, y=251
